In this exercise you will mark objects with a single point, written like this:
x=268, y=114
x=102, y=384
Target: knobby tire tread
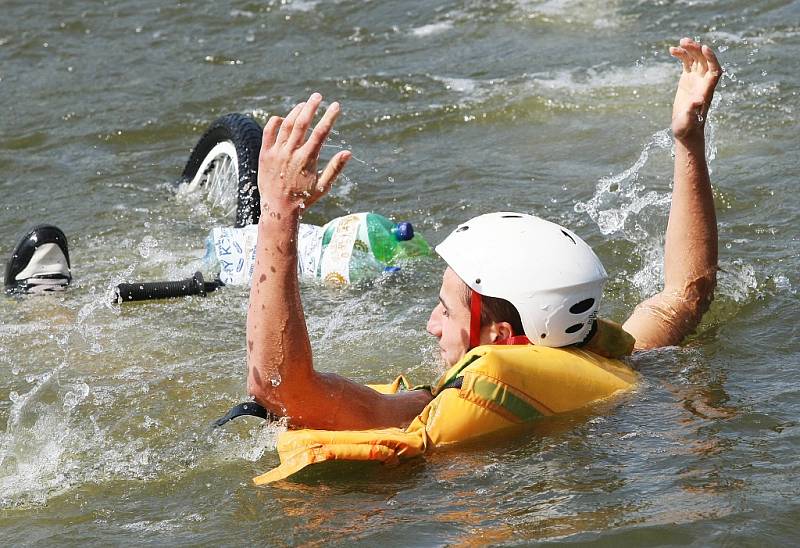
x=245, y=134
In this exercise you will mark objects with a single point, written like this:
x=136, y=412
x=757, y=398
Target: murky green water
x=452, y=109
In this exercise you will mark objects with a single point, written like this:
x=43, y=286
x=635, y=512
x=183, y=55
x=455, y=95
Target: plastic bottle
x=348, y=249
x=361, y=266
x=228, y=254
x=231, y=252
x=387, y=241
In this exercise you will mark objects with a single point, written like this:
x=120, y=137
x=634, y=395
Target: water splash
x=250, y=445
x=34, y=462
x=147, y=245
x=346, y=184
x=623, y=206
x=432, y=28
x=42, y=438
x=737, y=280
x=619, y=199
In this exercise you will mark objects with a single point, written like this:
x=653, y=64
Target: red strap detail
x=475, y=325
x=474, y=319
x=517, y=339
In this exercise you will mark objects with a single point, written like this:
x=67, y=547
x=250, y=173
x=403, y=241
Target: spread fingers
x=288, y=124
x=303, y=121
x=693, y=49
x=322, y=130
x=711, y=59
x=332, y=171
x=685, y=58
x=270, y=132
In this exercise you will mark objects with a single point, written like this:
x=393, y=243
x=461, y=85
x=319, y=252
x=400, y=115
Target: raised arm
x=281, y=373
x=690, y=250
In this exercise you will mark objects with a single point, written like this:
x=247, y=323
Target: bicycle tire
x=224, y=166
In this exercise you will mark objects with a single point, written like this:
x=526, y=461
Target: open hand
x=287, y=163
x=701, y=72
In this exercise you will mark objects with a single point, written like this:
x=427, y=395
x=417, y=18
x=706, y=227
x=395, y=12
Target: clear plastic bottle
x=231, y=252
x=361, y=266
x=384, y=239
x=348, y=249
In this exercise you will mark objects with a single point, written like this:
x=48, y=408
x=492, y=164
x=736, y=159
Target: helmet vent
x=511, y=217
x=574, y=328
x=565, y=233
x=462, y=228
x=581, y=307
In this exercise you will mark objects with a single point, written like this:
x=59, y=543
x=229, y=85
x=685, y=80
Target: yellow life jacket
x=490, y=389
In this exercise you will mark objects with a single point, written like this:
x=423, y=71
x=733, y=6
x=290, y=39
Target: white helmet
x=551, y=276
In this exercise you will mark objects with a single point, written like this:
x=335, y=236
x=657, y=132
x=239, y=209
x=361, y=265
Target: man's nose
x=434, y=326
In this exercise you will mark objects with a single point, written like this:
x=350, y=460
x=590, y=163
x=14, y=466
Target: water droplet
x=146, y=246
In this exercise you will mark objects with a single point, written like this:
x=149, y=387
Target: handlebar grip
x=129, y=292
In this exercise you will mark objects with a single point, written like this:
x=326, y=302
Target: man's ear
x=500, y=331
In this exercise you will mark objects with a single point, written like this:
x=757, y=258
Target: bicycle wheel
x=223, y=167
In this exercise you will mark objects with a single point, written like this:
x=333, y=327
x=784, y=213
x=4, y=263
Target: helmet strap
x=474, y=319
x=515, y=340
x=475, y=308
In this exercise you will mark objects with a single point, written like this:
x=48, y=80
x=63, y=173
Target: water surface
x=452, y=109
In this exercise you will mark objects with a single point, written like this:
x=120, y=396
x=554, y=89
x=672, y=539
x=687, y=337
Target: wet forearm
x=278, y=349
x=690, y=252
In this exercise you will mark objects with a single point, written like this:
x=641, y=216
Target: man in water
x=281, y=374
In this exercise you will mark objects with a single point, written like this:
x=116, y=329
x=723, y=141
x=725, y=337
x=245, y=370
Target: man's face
x=449, y=321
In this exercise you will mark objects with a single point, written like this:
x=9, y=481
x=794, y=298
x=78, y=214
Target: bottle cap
x=403, y=231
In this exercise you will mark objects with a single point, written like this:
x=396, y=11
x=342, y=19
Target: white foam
x=590, y=80
x=147, y=526
x=600, y=14
x=461, y=85
x=301, y=5
x=724, y=37
x=737, y=280
x=433, y=28
x=36, y=457
x=242, y=13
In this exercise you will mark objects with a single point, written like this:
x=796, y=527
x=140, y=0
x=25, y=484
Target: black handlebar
x=164, y=290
